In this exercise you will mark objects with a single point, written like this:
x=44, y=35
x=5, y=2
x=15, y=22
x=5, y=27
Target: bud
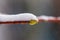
x=33, y=22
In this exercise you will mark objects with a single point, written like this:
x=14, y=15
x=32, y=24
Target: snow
x=18, y=17
x=25, y=17
x=43, y=17
x=46, y=18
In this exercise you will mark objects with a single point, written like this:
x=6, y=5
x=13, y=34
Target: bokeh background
x=41, y=31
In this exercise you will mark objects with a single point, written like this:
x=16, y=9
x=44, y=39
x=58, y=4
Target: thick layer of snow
x=17, y=17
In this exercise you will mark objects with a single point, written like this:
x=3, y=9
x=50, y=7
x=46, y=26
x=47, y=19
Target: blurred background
x=41, y=31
